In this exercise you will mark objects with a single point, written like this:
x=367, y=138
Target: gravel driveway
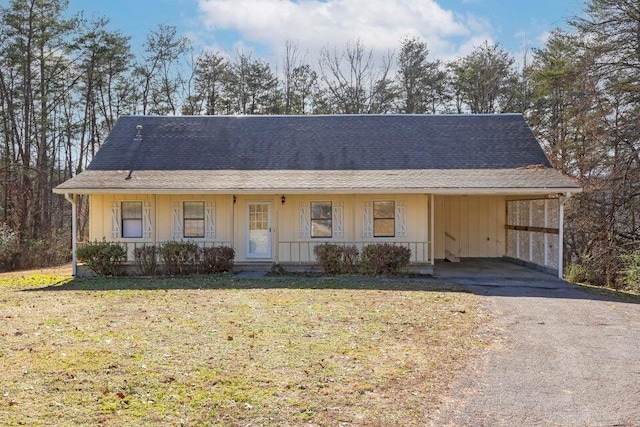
x=560, y=357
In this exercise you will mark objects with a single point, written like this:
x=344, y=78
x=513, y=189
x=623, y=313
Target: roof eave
x=284, y=190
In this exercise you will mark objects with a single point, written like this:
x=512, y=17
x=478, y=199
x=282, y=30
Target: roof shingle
x=335, y=153
x=331, y=142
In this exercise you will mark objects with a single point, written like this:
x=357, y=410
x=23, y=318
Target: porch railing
x=302, y=252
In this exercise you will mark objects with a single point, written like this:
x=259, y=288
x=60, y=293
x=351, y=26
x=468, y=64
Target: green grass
x=221, y=351
x=27, y=280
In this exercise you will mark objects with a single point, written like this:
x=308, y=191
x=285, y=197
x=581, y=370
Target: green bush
x=577, y=272
x=180, y=257
x=217, y=259
x=104, y=258
x=631, y=270
x=146, y=258
x=384, y=258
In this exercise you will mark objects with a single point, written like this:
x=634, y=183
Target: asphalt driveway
x=561, y=357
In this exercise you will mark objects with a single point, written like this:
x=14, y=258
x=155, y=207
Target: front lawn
x=222, y=351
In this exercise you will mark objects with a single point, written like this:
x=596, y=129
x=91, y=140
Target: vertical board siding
x=476, y=223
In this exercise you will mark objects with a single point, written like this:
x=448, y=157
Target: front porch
x=284, y=229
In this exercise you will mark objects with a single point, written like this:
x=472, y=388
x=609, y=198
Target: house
x=273, y=187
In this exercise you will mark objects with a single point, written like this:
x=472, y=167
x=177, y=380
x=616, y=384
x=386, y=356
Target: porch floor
x=469, y=270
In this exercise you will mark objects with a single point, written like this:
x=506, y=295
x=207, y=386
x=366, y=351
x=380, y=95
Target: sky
x=451, y=28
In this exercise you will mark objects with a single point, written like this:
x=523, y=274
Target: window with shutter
x=193, y=219
x=321, y=220
x=384, y=221
x=131, y=215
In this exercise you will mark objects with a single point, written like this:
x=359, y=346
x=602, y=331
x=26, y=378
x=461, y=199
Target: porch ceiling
x=535, y=180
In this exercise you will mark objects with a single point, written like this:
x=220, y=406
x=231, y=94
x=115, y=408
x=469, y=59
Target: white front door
x=259, y=235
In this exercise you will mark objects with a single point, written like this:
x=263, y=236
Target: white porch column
x=432, y=231
x=561, y=199
x=74, y=233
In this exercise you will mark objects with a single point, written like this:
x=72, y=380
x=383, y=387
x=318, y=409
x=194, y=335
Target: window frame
x=312, y=219
x=374, y=219
x=123, y=219
x=185, y=219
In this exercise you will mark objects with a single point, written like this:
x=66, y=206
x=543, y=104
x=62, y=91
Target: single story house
x=273, y=187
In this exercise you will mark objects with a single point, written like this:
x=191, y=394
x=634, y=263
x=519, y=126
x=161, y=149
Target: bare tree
x=354, y=83
x=158, y=71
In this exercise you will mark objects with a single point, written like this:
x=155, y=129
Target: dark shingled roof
x=332, y=142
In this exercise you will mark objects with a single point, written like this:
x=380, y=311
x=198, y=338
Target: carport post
x=561, y=199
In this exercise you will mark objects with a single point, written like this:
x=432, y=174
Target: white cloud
x=543, y=37
x=315, y=24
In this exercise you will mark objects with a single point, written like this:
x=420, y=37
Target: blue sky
x=450, y=27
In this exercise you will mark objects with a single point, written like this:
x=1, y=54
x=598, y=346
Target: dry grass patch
x=221, y=351
x=615, y=294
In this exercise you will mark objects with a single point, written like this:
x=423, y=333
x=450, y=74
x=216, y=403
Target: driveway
x=560, y=357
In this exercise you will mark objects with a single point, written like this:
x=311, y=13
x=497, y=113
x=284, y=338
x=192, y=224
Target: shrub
x=350, y=259
x=277, y=270
x=179, y=257
x=217, y=260
x=334, y=259
x=146, y=258
x=9, y=247
x=104, y=258
x=577, y=273
x=329, y=257
x=631, y=270
x=384, y=258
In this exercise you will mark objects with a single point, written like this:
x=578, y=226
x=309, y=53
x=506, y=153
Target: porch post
x=74, y=243
x=432, y=233
x=561, y=199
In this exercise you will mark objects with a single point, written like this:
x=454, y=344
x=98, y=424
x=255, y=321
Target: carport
x=488, y=269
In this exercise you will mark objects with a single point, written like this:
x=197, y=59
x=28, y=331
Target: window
x=131, y=219
x=193, y=214
x=384, y=222
x=321, y=219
